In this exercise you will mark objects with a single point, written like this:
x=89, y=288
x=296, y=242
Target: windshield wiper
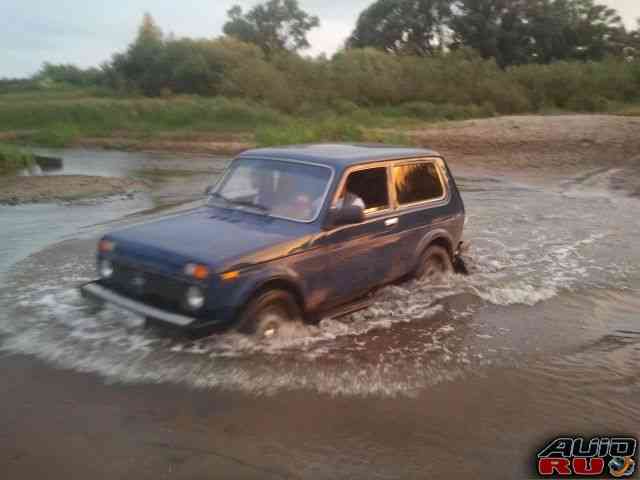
x=219, y=196
x=240, y=203
x=247, y=203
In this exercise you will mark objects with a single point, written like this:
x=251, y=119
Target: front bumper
x=97, y=292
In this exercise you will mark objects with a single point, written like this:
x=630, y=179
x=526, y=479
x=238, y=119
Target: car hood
x=219, y=238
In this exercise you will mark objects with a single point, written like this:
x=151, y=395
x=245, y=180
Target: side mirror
x=350, y=215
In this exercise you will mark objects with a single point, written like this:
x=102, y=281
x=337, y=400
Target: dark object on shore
x=288, y=235
x=48, y=164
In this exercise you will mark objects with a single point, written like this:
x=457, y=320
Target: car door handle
x=391, y=222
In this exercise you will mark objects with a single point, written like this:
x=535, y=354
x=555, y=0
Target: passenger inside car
x=366, y=189
x=349, y=199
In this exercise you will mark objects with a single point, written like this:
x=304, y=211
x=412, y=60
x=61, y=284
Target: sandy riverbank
x=64, y=188
x=546, y=145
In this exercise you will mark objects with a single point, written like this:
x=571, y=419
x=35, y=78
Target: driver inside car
x=293, y=200
x=262, y=181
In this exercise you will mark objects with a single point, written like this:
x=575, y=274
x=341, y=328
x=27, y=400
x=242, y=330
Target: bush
x=70, y=75
x=343, y=107
x=366, y=77
x=577, y=85
x=506, y=97
x=12, y=159
x=444, y=111
x=58, y=136
x=581, y=102
x=457, y=84
x=260, y=81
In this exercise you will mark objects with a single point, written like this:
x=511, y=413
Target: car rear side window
x=370, y=186
x=417, y=182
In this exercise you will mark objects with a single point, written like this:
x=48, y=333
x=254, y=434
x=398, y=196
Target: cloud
x=628, y=9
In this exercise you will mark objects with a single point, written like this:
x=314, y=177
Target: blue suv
x=288, y=234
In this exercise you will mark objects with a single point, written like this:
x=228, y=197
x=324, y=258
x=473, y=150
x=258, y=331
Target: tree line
x=503, y=55
x=513, y=32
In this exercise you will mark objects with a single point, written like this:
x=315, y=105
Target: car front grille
x=155, y=289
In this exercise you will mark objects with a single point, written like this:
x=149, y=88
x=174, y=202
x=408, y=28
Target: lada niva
x=288, y=234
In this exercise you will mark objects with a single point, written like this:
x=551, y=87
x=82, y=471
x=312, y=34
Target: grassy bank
x=12, y=159
x=59, y=121
x=62, y=117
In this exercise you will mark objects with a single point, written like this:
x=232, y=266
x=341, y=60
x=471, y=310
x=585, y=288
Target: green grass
x=12, y=159
x=306, y=131
x=58, y=117
x=331, y=129
x=56, y=136
x=57, y=121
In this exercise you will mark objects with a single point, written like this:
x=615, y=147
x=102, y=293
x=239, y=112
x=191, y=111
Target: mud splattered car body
x=223, y=264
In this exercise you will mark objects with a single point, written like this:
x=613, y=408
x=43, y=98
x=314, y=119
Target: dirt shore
x=213, y=145
x=560, y=144
x=64, y=188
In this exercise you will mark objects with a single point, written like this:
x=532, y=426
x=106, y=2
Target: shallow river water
x=543, y=337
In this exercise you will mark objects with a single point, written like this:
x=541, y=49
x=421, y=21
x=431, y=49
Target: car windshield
x=290, y=190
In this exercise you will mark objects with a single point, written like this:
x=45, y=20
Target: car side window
x=417, y=182
x=367, y=188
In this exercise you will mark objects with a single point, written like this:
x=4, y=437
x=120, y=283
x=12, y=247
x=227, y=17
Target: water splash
x=528, y=247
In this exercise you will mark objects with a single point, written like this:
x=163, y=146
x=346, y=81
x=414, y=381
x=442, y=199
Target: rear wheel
x=434, y=264
x=268, y=313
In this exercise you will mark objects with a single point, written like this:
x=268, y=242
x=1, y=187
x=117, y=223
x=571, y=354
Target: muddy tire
x=267, y=313
x=434, y=264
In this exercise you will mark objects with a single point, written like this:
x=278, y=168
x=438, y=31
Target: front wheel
x=434, y=264
x=268, y=313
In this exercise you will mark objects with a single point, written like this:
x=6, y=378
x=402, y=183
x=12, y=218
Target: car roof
x=339, y=155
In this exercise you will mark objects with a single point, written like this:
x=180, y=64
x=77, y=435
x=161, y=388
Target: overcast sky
x=87, y=32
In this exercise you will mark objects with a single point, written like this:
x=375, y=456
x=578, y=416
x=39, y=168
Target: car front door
x=361, y=256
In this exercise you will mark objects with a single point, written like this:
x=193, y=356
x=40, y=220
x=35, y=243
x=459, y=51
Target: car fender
x=432, y=236
x=257, y=280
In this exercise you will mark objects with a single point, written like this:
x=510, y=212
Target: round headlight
x=195, y=298
x=106, y=269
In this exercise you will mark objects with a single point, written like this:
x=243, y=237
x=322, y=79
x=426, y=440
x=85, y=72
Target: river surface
x=467, y=377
